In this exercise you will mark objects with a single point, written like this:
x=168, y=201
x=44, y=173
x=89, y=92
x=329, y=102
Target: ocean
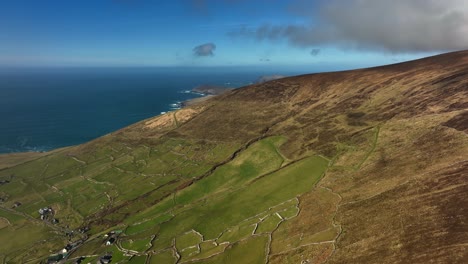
x=48, y=108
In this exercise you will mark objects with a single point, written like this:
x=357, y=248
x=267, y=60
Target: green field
x=212, y=215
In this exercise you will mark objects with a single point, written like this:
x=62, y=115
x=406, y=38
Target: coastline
x=15, y=158
x=9, y=159
x=206, y=91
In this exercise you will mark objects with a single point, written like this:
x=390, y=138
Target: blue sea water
x=43, y=109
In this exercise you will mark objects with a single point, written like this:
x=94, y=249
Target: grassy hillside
x=364, y=166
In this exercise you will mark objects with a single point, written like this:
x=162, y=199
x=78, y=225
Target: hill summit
x=362, y=166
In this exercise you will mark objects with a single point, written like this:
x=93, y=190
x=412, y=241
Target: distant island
x=267, y=78
x=208, y=89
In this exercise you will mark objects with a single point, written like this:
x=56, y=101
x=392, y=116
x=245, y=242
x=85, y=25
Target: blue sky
x=239, y=32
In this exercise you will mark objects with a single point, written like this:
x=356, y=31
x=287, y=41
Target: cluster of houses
x=61, y=256
x=2, y=182
x=66, y=249
x=5, y=181
x=111, y=237
x=4, y=198
x=47, y=214
x=63, y=253
x=56, y=258
x=83, y=230
x=107, y=258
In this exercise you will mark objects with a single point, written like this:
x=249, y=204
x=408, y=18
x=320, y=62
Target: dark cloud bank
x=397, y=26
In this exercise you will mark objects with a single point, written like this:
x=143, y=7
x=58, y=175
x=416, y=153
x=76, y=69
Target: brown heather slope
x=396, y=137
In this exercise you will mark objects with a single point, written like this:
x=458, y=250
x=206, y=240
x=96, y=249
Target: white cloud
x=396, y=26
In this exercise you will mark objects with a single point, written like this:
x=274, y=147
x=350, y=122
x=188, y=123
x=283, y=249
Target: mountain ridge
x=360, y=166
